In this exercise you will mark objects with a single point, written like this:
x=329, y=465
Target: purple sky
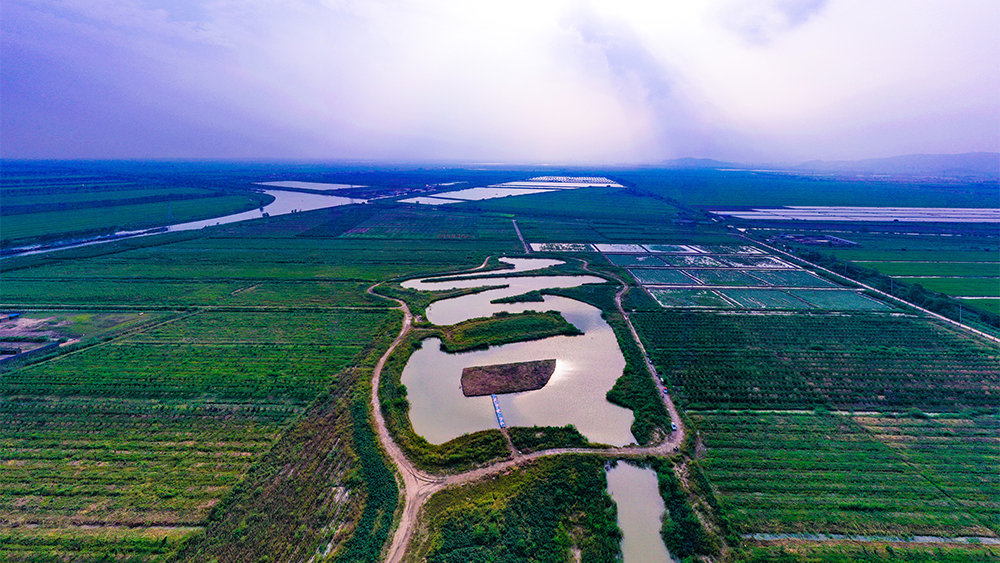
x=515, y=81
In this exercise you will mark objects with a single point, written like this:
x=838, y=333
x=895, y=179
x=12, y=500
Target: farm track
x=418, y=485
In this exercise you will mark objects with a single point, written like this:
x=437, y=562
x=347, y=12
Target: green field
x=661, y=277
x=123, y=217
x=213, y=403
x=974, y=287
x=957, y=269
x=835, y=474
x=858, y=360
x=536, y=514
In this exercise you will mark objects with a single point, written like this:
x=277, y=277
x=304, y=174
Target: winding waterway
x=587, y=366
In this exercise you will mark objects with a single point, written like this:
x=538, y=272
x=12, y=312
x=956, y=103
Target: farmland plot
x=791, y=278
x=634, y=260
x=662, y=277
x=857, y=360
x=725, y=277
x=827, y=474
x=689, y=298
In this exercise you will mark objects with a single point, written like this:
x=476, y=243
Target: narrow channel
x=639, y=510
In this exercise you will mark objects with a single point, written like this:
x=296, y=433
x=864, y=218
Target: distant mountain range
x=972, y=165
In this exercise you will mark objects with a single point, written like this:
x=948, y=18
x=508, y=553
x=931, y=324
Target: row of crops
x=842, y=474
x=863, y=361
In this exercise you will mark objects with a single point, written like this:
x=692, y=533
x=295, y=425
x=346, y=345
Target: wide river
x=587, y=366
x=284, y=203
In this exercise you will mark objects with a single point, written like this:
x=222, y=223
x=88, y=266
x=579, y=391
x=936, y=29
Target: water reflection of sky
x=587, y=366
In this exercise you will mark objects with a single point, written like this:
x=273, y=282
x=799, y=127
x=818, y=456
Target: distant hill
x=689, y=163
x=966, y=166
x=972, y=165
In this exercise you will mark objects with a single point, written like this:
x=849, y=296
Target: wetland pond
x=587, y=366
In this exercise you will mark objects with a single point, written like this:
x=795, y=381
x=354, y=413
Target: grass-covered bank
x=541, y=513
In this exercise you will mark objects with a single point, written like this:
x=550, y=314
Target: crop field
x=864, y=475
x=839, y=300
x=662, y=277
x=670, y=248
x=708, y=188
x=155, y=428
x=858, y=360
x=763, y=299
x=725, y=277
x=589, y=203
x=430, y=224
x=693, y=261
x=792, y=278
x=634, y=260
x=948, y=269
x=973, y=287
x=689, y=298
x=756, y=262
x=991, y=305
x=216, y=405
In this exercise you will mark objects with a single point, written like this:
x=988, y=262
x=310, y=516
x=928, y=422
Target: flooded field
x=639, y=510
x=587, y=366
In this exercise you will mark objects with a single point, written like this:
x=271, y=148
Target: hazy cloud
x=564, y=81
x=760, y=20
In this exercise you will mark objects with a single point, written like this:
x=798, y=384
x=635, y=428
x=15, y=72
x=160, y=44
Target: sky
x=518, y=81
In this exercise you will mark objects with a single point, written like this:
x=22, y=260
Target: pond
x=639, y=510
x=587, y=366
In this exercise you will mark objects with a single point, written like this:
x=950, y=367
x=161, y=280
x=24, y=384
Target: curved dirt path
x=419, y=485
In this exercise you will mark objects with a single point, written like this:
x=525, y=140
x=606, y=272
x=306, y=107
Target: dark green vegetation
x=860, y=360
x=682, y=530
x=504, y=328
x=536, y=438
x=862, y=475
x=536, y=514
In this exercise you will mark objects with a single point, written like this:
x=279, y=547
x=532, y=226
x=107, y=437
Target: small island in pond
x=506, y=378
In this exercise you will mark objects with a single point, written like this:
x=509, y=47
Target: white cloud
x=542, y=81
